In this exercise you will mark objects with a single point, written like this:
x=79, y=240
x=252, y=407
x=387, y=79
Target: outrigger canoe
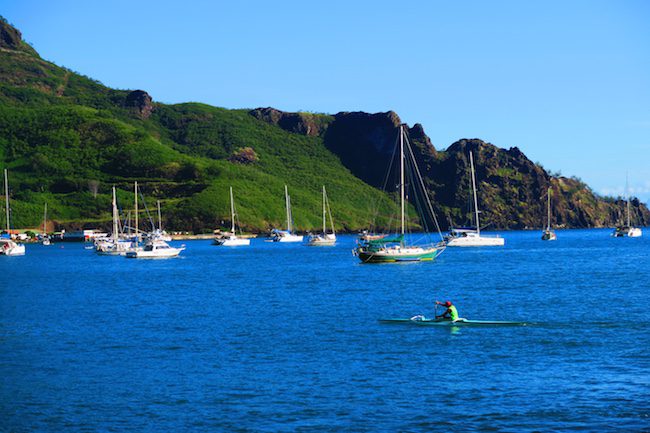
x=422, y=321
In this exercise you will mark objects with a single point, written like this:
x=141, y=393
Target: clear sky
x=568, y=82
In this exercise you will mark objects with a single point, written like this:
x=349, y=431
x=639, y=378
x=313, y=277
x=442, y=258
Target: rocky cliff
x=512, y=189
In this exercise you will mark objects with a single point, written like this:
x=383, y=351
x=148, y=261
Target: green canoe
x=421, y=321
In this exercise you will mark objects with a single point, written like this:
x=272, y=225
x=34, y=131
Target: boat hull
x=476, y=241
x=418, y=321
x=141, y=254
x=288, y=238
x=627, y=232
x=237, y=242
x=548, y=235
x=398, y=254
x=10, y=248
x=320, y=241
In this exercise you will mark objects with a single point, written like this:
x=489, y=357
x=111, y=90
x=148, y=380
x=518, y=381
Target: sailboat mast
x=478, y=224
x=115, y=218
x=159, y=217
x=136, y=210
x=286, y=200
x=401, y=172
x=548, y=224
x=7, y=199
x=324, y=219
x=627, y=193
x=232, y=212
x=45, y=220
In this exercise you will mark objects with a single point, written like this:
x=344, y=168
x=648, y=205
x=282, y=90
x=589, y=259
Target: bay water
x=284, y=337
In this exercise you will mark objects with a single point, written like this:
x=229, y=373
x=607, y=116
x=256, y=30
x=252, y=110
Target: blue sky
x=566, y=82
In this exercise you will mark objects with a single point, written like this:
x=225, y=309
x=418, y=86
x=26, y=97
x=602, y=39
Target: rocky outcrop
x=299, y=123
x=10, y=37
x=140, y=102
x=511, y=187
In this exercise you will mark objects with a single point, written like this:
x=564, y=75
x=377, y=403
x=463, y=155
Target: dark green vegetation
x=66, y=138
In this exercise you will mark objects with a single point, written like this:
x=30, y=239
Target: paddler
x=451, y=312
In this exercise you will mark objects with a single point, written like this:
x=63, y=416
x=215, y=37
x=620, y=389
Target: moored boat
x=471, y=236
x=286, y=235
x=231, y=239
x=627, y=230
x=8, y=246
x=549, y=234
x=324, y=239
x=396, y=248
x=154, y=249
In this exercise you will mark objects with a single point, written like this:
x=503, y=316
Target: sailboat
x=548, y=234
x=470, y=236
x=158, y=232
x=324, y=239
x=45, y=238
x=231, y=239
x=395, y=248
x=154, y=248
x=286, y=235
x=115, y=245
x=8, y=247
x=627, y=230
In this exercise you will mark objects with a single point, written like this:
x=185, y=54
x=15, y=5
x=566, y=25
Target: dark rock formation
x=244, y=155
x=141, y=102
x=364, y=142
x=300, y=123
x=511, y=187
x=10, y=37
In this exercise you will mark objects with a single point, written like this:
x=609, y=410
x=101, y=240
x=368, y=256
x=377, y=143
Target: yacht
x=324, y=239
x=231, y=239
x=286, y=235
x=9, y=247
x=471, y=236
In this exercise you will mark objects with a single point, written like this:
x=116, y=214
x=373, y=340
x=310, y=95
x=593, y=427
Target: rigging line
x=146, y=208
x=435, y=219
x=375, y=208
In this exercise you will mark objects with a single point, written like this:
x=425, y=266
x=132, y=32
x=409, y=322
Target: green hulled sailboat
x=395, y=248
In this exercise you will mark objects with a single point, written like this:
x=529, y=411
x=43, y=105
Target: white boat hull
x=156, y=249
x=476, y=241
x=288, y=238
x=232, y=242
x=11, y=248
x=157, y=254
x=635, y=232
x=631, y=232
x=324, y=241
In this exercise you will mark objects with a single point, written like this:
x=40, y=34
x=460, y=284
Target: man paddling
x=451, y=313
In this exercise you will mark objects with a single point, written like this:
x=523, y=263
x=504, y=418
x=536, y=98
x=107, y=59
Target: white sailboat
x=324, y=239
x=158, y=232
x=471, y=237
x=231, y=239
x=8, y=247
x=549, y=234
x=45, y=239
x=153, y=248
x=397, y=248
x=286, y=235
x=115, y=245
x=627, y=230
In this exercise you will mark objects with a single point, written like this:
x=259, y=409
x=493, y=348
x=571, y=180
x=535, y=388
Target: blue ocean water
x=281, y=337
